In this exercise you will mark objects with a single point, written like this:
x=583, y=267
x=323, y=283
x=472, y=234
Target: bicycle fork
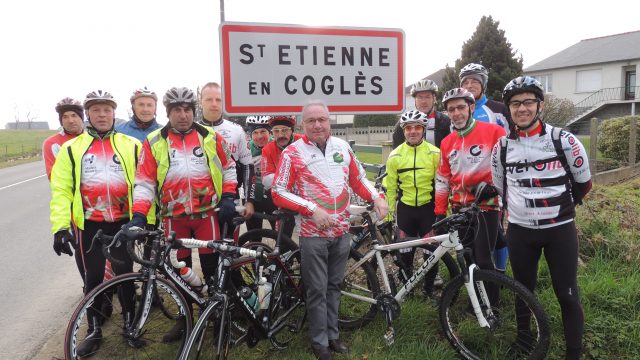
x=387, y=303
x=472, y=287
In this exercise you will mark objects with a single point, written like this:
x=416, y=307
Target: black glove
x=61, y=241
x=227, y=208
x=137, y=220
x=442, y=229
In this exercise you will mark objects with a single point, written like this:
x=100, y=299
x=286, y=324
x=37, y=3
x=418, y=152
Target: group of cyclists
x=541, y=173
x=188, y=176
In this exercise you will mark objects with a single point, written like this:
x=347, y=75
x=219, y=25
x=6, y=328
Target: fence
x=13, y=151
x=370, y=135
x=605, y=171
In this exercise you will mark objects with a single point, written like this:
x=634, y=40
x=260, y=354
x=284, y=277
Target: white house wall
x=564, y=80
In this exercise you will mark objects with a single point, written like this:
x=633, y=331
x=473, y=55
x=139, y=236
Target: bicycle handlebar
x=211, y=244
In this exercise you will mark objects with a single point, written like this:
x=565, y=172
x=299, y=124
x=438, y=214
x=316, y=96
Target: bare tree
x=558, y=111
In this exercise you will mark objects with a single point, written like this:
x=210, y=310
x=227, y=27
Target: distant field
x=17, y=146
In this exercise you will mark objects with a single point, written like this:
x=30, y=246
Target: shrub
x=613, y=138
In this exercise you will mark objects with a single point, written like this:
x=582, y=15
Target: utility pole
x=221, y=11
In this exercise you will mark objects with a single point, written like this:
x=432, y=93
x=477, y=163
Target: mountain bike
x=477, y=325
x=278, y=314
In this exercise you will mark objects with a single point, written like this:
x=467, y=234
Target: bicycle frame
x=446, y=243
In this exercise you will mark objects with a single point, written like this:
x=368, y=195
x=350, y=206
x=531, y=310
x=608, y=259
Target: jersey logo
x=578, y=162
x=197, y=151
x=89, y=159
x=476, y=150
x=338, y=158
x=115, y=159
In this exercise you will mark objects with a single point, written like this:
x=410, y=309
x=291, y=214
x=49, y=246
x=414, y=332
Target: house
x=27, y=125
x=598, y=75
x=436, y=77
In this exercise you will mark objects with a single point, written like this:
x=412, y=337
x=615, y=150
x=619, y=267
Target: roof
x=619, y=47
x=436, y=77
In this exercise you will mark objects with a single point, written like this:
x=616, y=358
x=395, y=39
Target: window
x=546, y=81
x=588, y=80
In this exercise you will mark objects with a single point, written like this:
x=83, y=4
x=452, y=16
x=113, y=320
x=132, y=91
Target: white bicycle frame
x=446, y=243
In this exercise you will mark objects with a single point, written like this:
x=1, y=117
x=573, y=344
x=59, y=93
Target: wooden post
x=387, y=146
x=632, y=141
x=593, y=150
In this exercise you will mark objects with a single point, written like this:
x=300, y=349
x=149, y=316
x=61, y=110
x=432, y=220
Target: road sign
x=276, y=69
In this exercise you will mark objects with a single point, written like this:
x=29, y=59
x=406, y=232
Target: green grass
x=19, y=146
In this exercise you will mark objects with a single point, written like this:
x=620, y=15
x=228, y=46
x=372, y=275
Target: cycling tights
x=560, y=246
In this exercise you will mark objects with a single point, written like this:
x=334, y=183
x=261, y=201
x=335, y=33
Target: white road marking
x=23, y=181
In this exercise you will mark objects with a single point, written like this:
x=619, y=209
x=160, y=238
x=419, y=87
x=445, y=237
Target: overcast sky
x=53, y=49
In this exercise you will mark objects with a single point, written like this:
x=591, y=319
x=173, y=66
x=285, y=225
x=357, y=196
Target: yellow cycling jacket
x=410, y=174
x=66, y=200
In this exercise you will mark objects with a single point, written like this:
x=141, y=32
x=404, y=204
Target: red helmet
x=282, y=120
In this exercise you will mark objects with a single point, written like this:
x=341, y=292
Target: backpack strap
x=503, y=161
x=556, y=135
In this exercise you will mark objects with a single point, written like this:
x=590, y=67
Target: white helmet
x=458, y=93
x=99, y=97
x=413, y=117
x=424, y=85
x=476, y=71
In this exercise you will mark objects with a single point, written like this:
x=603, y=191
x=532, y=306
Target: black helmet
x=520, y=85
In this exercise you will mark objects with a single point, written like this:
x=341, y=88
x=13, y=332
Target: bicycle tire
x=268, y=237
x=210, y=338
x=114, y=344
x=503, y=338
x=354, y=313
x=287, y=307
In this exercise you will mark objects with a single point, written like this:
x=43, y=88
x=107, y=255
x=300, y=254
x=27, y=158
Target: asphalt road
x=39, y=289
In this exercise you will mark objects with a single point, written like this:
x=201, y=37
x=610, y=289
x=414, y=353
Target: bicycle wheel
x=522, y=334
x=210, y=336
x=268, y=237
x=287, y=309
x=362, y=281
x=114, y=343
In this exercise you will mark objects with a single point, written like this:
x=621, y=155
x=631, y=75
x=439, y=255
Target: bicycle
x=387, y=233
x=278, y=315
x=476, y=324
x=158, y=301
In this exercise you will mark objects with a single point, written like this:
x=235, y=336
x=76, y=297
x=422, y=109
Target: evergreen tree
x=487, y=46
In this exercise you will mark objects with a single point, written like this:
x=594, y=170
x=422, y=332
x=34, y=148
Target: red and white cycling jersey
x=537, y=195
x=50, y=148
x=270, y=158
x=466, y=162
x=236, y=139
x=188, y=187
x=307, y=178
x=103, y=185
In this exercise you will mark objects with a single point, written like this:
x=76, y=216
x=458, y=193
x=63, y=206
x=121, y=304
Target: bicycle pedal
x=389, y=336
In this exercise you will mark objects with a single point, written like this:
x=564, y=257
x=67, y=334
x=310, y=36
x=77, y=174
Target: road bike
x=278, y=314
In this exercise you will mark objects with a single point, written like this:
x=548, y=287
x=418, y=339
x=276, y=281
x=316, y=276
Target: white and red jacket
x=50, y=148
x=270, y=159
x=307, y=178
x=465, y=162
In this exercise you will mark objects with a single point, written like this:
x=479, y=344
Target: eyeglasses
x=458, y=108
x=515, y=104
x=283, y=130
x=320, y=120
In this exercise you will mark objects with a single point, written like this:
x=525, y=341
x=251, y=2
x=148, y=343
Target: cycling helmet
x=423, y=85
x=99, y=97
x=475, y=71
x=413, y=117
x=143, y=92
x=458, y=93
x=282, y=120
x=254, y=123
x=520, y=85
x=178, y=96
x=69, y=104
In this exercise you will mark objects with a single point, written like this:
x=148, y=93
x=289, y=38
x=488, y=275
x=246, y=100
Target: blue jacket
x=131, y=128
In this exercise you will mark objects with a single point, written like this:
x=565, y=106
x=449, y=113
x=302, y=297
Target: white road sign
x=275, y=69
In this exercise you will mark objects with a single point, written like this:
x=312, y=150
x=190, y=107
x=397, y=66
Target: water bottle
x=194, y=280
x=250, y=298
x=356, y=239
x=264, y=293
